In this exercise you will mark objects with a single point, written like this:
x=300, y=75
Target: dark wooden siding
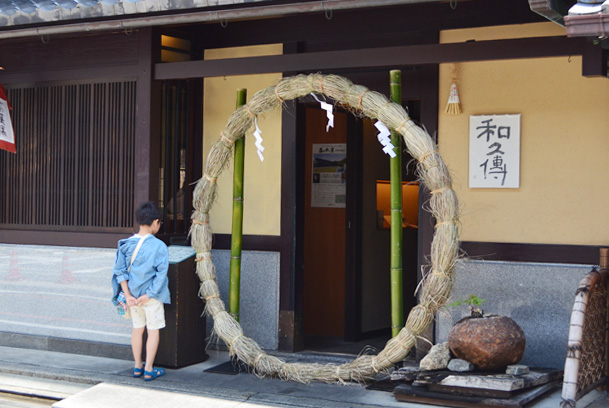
x=74, y=165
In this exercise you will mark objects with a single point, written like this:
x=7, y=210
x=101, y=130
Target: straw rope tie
x=373, y=365
x=209, y=178
x=439, y=224
x=204, y=222
x=404, y=341
x=229, y=141
x=235, y=339
x=321, y=85
x=440, y=190
x=387, y=359
x=203, y=256
x=408, y=122
x=426, y=155
x=247, y=109
x=278, y=97
x=258, y=357
x=440, y=272
x=214, y=296
x=361, y=98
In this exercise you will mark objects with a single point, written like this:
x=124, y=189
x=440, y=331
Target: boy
x=144, y=281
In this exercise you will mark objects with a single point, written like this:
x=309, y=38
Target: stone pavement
x=87, y=381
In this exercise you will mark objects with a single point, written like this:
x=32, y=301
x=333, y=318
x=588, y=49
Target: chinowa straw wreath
x=437, y=283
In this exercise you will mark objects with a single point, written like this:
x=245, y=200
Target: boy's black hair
x=146, y=213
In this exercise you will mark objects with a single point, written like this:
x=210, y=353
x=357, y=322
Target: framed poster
x=494, y=151
x=329, y=178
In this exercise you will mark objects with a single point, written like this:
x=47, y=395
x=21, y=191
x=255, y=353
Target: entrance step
x=110, y=395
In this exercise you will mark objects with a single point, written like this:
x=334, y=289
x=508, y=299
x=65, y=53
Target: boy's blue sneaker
x=156, y=372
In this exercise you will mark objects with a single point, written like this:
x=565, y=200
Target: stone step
x=39, y=387
x=106, y=395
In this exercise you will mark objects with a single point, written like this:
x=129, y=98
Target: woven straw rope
x=443, y=204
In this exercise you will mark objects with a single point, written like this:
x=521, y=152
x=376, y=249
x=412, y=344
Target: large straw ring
x=435, y=289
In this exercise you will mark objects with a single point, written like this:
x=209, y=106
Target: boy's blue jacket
x=148, y=274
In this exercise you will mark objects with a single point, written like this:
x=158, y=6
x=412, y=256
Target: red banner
x=7, y=135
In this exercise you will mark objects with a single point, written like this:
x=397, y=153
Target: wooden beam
x=376, y=58
x=594, y=61
x=523, y=252
x=118, y=72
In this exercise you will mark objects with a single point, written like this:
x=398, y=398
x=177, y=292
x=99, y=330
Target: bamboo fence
x=443, y=204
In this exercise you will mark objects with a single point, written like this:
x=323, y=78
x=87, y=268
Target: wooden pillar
x=290, y=306
x=148, y=107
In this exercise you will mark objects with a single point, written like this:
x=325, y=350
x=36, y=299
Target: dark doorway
x=325, y=173
x=181, y=143
x=344, y=255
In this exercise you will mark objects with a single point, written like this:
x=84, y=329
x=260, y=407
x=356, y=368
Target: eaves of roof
x=40, y=13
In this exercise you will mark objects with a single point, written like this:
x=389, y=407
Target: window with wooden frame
x=74, y=167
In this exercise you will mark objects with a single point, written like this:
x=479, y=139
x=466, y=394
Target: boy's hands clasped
x=141, y=301
x=131, y=301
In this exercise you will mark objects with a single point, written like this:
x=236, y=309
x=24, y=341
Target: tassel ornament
x=453, y=106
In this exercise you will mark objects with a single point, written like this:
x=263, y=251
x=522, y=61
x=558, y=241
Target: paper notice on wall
x=7, y=137
x=494, y=151
x=329, y=178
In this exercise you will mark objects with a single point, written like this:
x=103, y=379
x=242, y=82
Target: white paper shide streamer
x=257, y=135
x=329, y=112
x=384, y=137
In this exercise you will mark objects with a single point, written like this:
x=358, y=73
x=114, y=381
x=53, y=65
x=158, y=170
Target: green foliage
x=471, y=301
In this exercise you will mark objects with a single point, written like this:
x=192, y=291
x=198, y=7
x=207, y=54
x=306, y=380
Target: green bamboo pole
x=237, y=226
x=395, y=169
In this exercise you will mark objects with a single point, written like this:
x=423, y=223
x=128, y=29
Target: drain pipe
x=220, y=16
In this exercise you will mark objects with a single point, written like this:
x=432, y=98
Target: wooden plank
x=408, y=393
x=470, y=392
x=500, y=382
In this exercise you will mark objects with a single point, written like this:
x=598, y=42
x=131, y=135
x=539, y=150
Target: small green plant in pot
x=490, y=342
x=474, y=303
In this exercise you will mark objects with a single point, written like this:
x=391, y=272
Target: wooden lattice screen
x=74, y=165
x=586, y=366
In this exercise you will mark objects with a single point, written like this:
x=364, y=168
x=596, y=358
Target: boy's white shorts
x=151, y=315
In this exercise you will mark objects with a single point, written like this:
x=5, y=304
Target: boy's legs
x=137, y=343
x=138, y=318
x=155, y=320
x=152, y=345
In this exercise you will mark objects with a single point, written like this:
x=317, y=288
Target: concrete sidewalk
x=74, y=377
